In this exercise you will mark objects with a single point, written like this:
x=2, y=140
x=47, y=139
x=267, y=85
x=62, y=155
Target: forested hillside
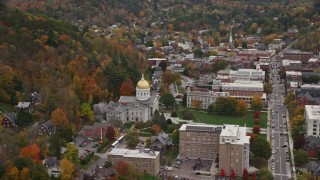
x=54, y=58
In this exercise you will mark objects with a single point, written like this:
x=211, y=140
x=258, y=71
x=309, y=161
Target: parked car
x=168, y=168
x=95, y=145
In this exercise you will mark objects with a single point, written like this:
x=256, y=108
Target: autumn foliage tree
x=245, y=174
x=256, y=129
x=256, y=103
x=256, y=115
x=33, y=152
x=126, y=88
x=232, y=174
x=125, y=171
x=156, y=129
x=67, y=169
x=111, y=133
x=222, y=173
x=59, y=118
x=196, y=103
x=241, y=107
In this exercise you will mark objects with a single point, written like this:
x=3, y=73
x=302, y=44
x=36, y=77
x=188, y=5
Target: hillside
x=38, y=53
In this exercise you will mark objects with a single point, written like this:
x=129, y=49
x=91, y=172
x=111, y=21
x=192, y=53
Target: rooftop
x=200, y=128
x=313, y=111
x=296, y=73
x=134, y=153
x=237, y=134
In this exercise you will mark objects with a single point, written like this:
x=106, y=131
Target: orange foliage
x=156, y=129
x=122, y=168
x=126, y=88
x=63, y=37
x=59, y=118
x=13, y=172
x=33, y=152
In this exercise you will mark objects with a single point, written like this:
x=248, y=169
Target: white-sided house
x=51, y=164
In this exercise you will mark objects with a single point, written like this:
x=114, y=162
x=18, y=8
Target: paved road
x=280, y=162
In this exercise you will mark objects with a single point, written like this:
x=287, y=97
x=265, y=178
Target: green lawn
x=211, y=118
x=149, y=177
x=5, y=107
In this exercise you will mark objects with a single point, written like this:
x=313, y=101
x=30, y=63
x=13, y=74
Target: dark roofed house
x=160, y=142
x=35, y=98
x=102, y=173
x=312, y=144
x=51, y=164
x=314, y=169
x=45, y=128
x=9, y=120
x=26, y=106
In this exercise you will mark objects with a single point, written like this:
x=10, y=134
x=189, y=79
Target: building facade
x=206, y=98
x=145, y=161
x=248, y=75
x=97, y=130
x=312, y=117
x=297, y=55
x=199, y=141
x=234, y=148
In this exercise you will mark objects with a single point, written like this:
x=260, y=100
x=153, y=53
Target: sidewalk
x=291, y=146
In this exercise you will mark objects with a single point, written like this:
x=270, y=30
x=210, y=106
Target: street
x=279, y=163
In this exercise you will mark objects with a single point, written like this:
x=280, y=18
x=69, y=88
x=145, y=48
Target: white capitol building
x=134, y=108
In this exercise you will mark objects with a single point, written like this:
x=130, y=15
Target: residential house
x=160, y=142
x=102, y=173
x=35, y=98
x=312, y=145
x=51, y=164
x=314, y=169
x=9, y=120
x=26, y=106
x=45, y=128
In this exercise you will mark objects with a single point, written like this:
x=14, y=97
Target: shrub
x=103, y=145
x=187, y=115
x=87, y=159
x=174, y=114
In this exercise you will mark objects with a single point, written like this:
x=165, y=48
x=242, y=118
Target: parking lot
x=186, y=170
x=85, y=145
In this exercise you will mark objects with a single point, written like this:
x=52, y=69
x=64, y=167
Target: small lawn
x=149, y=177
x=5, y=107
x=171, y=154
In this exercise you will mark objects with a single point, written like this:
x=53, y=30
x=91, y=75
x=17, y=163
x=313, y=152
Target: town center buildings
x=228, y=143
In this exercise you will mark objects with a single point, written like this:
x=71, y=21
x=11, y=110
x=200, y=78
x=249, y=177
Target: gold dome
x=143, y=84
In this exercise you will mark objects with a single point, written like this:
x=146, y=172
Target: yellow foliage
x=67, y=169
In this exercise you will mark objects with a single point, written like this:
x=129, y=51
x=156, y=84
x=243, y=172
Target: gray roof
x=162, y=137
x=50, y=162
x=11, y=116
x=102, y=173
x=47, y=124
x=100, y=108
x=314, y=168
x=312, y=142
x=203, y=129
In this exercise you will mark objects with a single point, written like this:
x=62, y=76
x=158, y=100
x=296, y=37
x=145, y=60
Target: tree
x=87, y=114
x=174, y=114
x=24, y=119
x=163, y=122
x=256, y=103
x=222, y=173
x=265, y=174
x=126, y=171
x=254, y=176
x=253, y=28
x=59, y=118
x=256, y=129
x=148, y=143
x=301, y=157
x=225, y=105
x=156, y=117
x=55, y=146
x=245, y=174
x=67, y=169
x=220, y=65
x=126, y=88
x=66, y=134
x=256, y=115
x=111, y=133
x=176, y=137
x=196, y=103
x=242, y=107
x=156, y=129
x=132, y=137
x=72, y=153
x=232, y=174
x=261, y=148
x=267, y=88
x=32, y=151
x=167, y=99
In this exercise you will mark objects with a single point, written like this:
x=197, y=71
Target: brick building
x=298, y=55
x=144, y=161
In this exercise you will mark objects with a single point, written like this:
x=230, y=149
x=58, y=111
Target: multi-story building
x=206, y=98
x=293, y=76
x=144, y=161
x=248, y=75
x=241, y=89
x=312, y=116
x=199, y=141
x=207, y=142
x=291, y=64
x=297, y=55
x=234, y=148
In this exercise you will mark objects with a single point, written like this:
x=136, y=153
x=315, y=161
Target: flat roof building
x=145, y=161
x=312, y=116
